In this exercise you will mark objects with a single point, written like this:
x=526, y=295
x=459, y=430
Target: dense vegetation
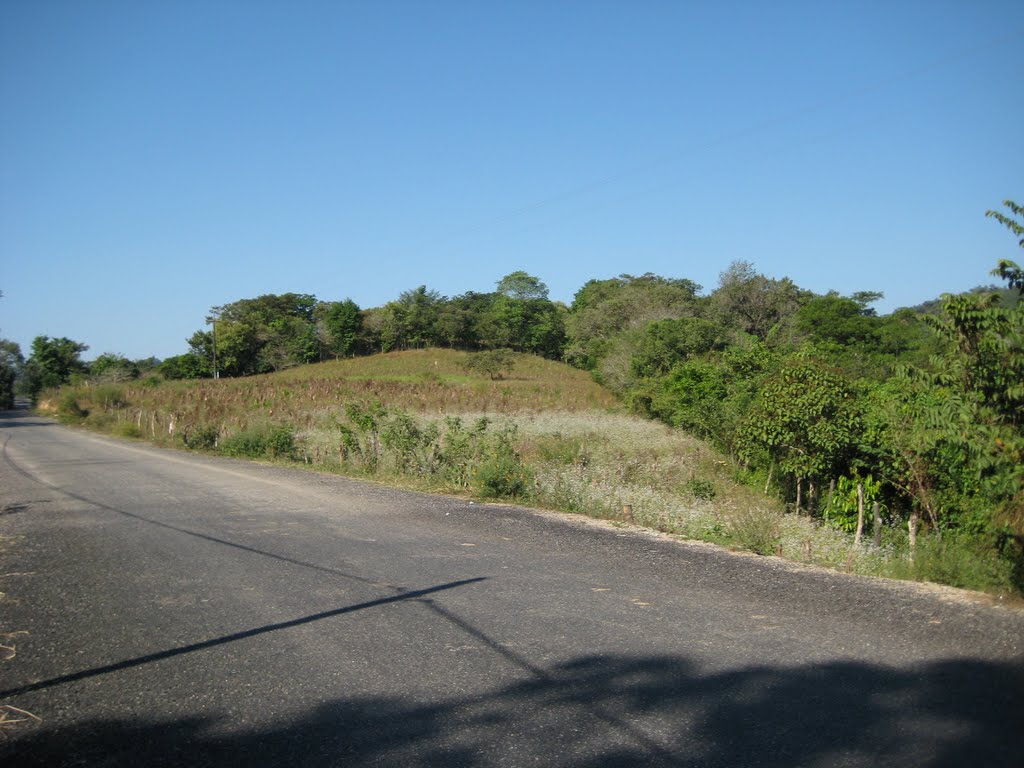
x=870, y=425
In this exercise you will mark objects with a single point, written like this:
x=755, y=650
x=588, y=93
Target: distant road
x=162, y=608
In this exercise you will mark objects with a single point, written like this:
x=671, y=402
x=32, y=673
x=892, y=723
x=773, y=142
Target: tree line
x=912, y=419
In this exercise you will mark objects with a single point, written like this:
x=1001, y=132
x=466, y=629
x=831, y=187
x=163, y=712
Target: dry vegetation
x=545, y=435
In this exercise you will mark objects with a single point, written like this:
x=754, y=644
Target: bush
x=69, y=410
x=755, y=529
x=495, y=363
x=200, y=438
x=962, y=561
x=701, y=490
x=262, y=441
x=502, y=476
x=109, y=396
x=128, y=429
x=413, y=447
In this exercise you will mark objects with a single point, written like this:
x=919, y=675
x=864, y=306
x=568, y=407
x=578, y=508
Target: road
x=164, y=608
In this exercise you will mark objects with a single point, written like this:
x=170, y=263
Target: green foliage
x=108, y=396
x=269, y=441
x=269, y=333
x=113, y=367
x=342, y=323
x=842, y=510
x=533, y=325
x=53, y=362
x=502, y=476
x=754, y=529
x=501, y=472
x=128, y=429
x=966, y=561
x=604, y=312
x=494, y=363
x=1010, y=222
x=68, y=409
x=754, y=303
x=461, y=450
x=200, y=437
x=410, y=322
x=837, y=320
x=413, y=446
x=521, y=286
x=360, y=437
x=187, y=366
x=701, y=490
x=11, y=364
x=667, y=342
x=806, y=419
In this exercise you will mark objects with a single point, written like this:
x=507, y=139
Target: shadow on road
x=949, y=713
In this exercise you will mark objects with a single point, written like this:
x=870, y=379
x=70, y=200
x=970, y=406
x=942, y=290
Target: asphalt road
x=162, y=608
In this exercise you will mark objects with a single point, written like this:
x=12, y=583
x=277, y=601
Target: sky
x=161, y=158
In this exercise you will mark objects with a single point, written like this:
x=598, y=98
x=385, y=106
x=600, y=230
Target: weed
x=502, y=476
x=68, y=409
x=755, y=529
x=702, y=490
x=128, y=429
x=202, y=437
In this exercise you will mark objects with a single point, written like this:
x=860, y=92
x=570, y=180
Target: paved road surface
x=172, y=609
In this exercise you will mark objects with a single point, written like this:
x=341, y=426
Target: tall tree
x=754, y=303
x=522, y=318
x=341, y=323
x=53, y=362
x=11, y=363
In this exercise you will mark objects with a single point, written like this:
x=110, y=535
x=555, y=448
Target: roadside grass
x=546, y=435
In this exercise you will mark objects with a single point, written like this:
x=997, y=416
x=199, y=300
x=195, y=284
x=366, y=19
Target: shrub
x=109, y=396
x=495, y=363
x=128, y=429
x=962, y=561
x=460, y=450
x=702, y=490
x=755, y=529
x=261, y=441
x=200, y=438
x=502, y=476
x=68, y=408
x=413, y=447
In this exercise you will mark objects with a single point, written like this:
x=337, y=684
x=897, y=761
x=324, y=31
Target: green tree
x=187, y=366
x=523, y=319
x=460, y=317
x=835, y=319
x=270, y=332
x=53, y=362
x=753, y=303
x=494, y=363
x=667, y=342
x=606, y=316
x=411, y=321
x=11, y=364
x=522, y=287
x=806, y=420
x=341, y=323
x=111, y=366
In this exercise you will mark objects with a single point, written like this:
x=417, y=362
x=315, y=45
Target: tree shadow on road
x=598, y=711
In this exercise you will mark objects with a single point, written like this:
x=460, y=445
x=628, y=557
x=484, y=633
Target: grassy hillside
x=546, y=435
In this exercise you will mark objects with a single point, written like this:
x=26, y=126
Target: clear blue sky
x=159, y=158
